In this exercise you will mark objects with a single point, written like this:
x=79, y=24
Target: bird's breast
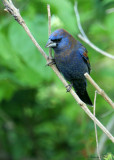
x=63, y=59
x=71, y=65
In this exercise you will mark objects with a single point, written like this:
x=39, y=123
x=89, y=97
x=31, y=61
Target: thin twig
x=107, y=113
x=9, y=7
x=49, y=20
x=100, y=91
x=110, y=10
x=103, y=139
x=96, y=126
x=78, y=20
x=95, y=47
x=49, y=27
x=83, y=36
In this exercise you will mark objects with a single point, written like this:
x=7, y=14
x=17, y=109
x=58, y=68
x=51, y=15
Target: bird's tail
x=85, y=97
x=80, y=89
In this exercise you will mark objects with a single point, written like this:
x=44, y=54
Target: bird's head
x=60, y=40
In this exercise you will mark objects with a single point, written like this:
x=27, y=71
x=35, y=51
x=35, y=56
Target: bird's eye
x=57, y=40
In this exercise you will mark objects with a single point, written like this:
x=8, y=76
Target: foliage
x=38, y=120
x=109, y=156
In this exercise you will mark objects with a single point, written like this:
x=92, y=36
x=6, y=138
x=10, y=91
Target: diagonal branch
x=10, y=7
x=100, y=91
x=83, y=36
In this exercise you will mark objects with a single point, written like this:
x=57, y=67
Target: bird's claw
x=51, y=62
x=68, y=87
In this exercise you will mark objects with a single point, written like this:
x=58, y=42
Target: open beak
x=50, y=44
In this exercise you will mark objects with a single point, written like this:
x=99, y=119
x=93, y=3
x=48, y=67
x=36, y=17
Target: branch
x=16, y=14
x=49, y=27
x=100, y=91
x=110, y=10
x=96, y=127
x=103, y=139
x=83, y=36
x=10, y=7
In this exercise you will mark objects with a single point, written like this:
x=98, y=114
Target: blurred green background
x=38, y=119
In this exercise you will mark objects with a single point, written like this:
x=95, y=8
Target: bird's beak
x=50, y=44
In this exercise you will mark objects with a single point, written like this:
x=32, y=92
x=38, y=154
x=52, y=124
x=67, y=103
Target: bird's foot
x=51, y=61
x=69, y=87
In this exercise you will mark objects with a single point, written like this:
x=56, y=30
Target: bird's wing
x=85, y=57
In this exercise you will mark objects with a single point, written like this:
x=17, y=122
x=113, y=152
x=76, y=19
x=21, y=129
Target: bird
x=72, y=61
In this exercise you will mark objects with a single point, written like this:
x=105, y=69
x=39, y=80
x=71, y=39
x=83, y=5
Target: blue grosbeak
x=71, y=60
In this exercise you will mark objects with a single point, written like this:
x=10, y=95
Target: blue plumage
x=72, y=61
